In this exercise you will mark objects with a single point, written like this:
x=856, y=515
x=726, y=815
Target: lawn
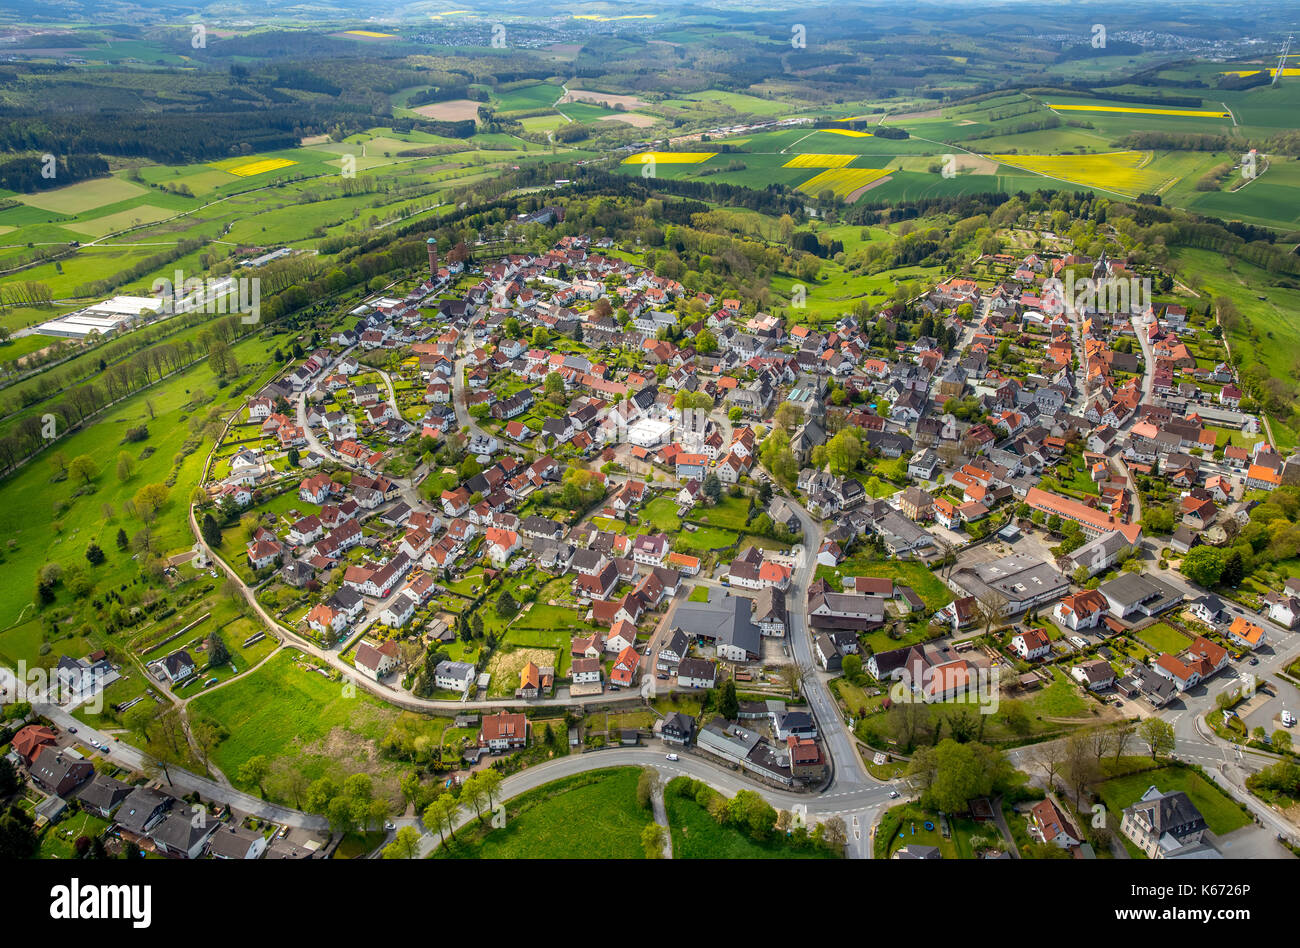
x=903, y=572
x=1221, y=813
x=905, y=825
x=589, y=816
x=661, y=513
x=1060, y=699
x=1163, y=638
x=729, y=512
x=57, y=843
x=703, y=540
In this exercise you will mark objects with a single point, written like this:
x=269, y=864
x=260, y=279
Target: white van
x=1288, y=719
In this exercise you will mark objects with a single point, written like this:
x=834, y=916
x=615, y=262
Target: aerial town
x=541, y=471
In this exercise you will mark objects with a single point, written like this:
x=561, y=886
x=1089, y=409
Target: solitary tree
x=83, y=466
x=1158, y=735
x=405, y=844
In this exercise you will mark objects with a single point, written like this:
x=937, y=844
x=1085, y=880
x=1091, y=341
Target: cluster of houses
x=155, y=821
x=1162, y=824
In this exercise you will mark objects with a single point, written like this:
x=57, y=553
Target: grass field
x=696, y=835
x=1221, y=813
x=84, y=195
x=286, y=713
x=903, y=572
x=1164, y=638
x=590, y=816
x=111, y=223
x=506, y=664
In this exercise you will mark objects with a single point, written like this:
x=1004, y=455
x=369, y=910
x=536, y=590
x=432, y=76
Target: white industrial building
x=106, y=318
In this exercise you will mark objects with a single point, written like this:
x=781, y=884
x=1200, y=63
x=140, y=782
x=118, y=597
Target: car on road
x=388, y=825
x=893, y=794
x=1254, y=661
x=661, y=676
x=672, y=757
x=72, y=730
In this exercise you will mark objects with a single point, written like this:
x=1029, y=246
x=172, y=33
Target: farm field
x=84, y=195
x=842, y=182
x=669, y=157
x=1124, y=172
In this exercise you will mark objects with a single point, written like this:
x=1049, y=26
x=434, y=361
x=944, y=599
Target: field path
x=661, y=817
x=792, y=144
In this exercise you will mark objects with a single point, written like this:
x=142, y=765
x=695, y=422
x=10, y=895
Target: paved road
x=128, y=756
x=849, y=774
x=862, y=804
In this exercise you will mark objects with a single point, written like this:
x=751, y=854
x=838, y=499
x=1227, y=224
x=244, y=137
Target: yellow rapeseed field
x=370, y=33
x=842, y=181
x=669, y=157
x=1199, y=113
x=848, y=132
x=819, y=161
x=1288, y=71
x=261, y=166
x=1126, y=172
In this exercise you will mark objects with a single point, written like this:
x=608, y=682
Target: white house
x=1031, y=644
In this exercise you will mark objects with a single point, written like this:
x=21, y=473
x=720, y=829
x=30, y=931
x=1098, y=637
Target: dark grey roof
x=725, y=619
x=139, y=808
x=104, y=793
x=177, y=831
